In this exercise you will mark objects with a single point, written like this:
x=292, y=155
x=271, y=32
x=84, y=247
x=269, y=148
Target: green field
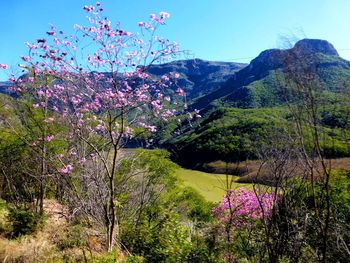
x=211, y=186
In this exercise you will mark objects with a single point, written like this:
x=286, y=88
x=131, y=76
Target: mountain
x=259, y=84
x=249, y=109
x=4, y=88
x=198, y=77
x=255, y=85
x=242, y=104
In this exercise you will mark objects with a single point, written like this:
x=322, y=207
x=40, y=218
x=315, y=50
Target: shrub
x=23, y=221
x=4, y=226
x=70, y=237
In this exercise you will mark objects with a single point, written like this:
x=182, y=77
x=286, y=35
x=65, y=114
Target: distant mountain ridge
x=4, y=88
x=256, y=84
x=198, y=77
x=211, y=83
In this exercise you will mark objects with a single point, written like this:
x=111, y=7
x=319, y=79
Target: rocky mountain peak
x=315, y=46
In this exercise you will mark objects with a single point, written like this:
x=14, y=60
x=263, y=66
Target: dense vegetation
x=71, y=189
x=232, y=134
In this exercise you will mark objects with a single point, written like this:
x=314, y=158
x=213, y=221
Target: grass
x=211, y=186
x=46, y=244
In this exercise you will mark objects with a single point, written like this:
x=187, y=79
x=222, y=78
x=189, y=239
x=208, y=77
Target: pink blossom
x=189, y=115
x=165, y=78
x=240, y=206
x=25, y=58
x=75, y=100
x=152, y=16
x=164, y=14
x=40, y=92
x=49, y=138
x=156, y=105
x=31, y=46
x=180, y=92
x=99, y=127
x=66, y=169
x=88, y=8
x=77, y=91
x=3, y=66
x=50, y=119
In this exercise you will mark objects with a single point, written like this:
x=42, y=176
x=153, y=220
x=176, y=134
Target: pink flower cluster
x=66, y=169
x=240, y=206
x=49, y=138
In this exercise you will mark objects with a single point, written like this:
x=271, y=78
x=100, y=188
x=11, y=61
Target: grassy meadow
x=211, y=186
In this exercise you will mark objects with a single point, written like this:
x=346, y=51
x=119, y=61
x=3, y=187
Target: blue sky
x=226, y=30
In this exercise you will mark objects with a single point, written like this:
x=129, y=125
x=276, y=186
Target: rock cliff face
x=316, y=46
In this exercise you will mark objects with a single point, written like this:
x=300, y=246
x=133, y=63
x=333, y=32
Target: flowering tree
x=240, y=206
x=95, y=83
x=239, y=209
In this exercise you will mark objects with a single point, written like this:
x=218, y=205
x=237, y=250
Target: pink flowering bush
x=237, y=215
x=241, y=206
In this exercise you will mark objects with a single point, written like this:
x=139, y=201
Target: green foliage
x=4, y=224
x=193, y=204
x=158, y=166
x=134, y=259
x=232, y=134
x=340, y=216
x=297, y=225
x=159, y=237
x=13, y=151
x=227, y=134
x=162, y=232
x=337, y=116
x=71, y=236
x=23, y=221
x=264, y=92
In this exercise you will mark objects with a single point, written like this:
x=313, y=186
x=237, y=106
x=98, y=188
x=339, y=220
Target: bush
x=4, y=225
x=70, y=237
x=134, y=259
x=23, y=221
